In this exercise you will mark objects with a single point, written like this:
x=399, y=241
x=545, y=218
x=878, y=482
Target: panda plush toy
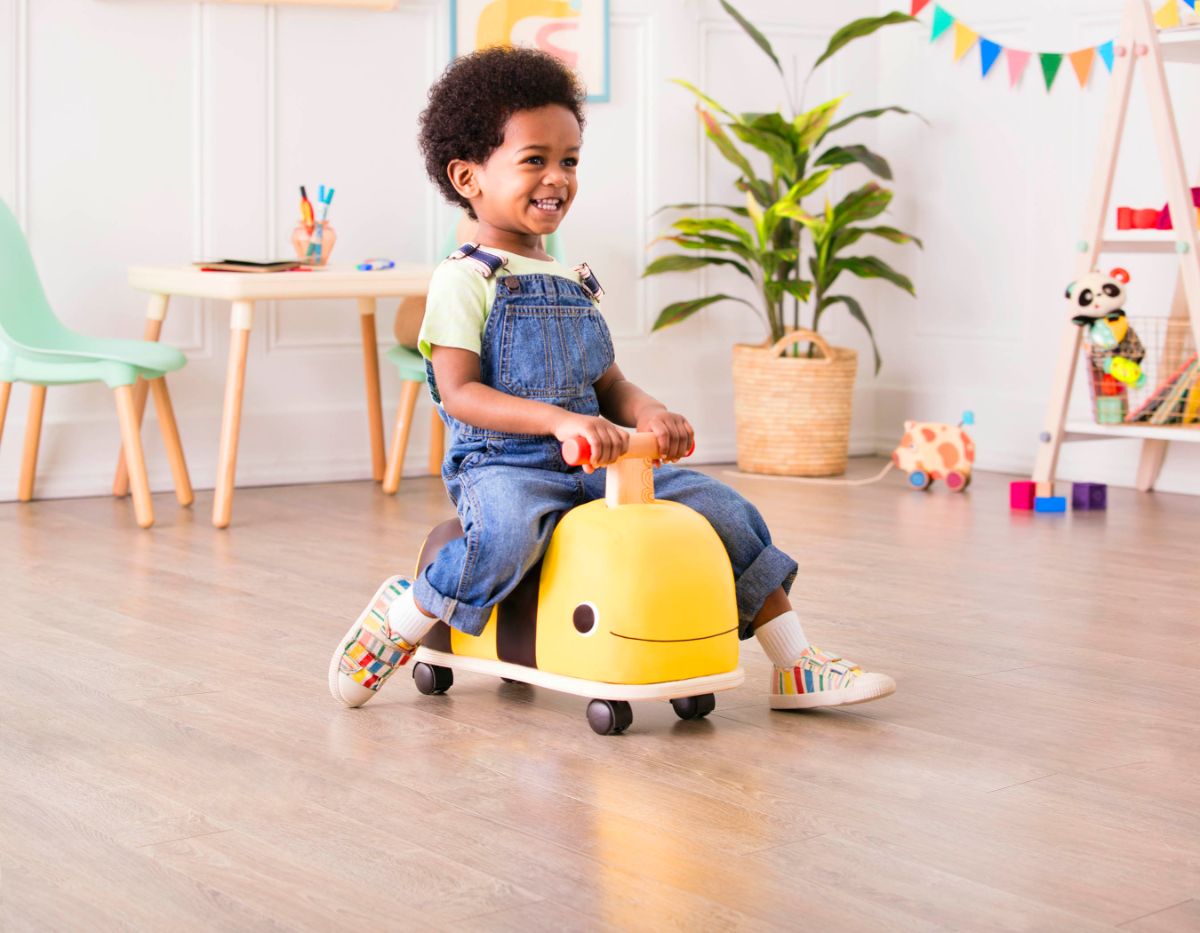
x=1115, y=350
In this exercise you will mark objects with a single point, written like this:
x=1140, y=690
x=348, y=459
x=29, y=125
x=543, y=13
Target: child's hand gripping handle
x=644, y=446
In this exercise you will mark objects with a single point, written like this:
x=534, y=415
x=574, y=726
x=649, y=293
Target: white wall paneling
x=154, y=132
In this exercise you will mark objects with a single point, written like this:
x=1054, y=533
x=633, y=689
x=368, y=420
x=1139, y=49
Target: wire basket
x=1151, y=377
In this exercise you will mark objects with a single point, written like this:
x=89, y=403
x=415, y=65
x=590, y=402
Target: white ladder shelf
x=1138, y=45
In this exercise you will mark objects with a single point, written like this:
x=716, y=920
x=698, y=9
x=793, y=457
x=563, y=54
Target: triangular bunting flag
x=1191, y=3
x=964, y=39
x=1081, y=61
x=918, y=6
x=1050, y=62
x=1167, y=15
x=943, y=21
x=1106, y=53
x=989, y=51
x=1017, y=60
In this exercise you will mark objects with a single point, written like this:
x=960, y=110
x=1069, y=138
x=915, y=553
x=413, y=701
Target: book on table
x=247, y=265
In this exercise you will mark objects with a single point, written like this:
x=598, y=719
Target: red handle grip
x=577, y=451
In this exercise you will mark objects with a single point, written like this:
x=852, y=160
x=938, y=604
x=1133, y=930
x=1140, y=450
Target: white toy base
x=593, y=689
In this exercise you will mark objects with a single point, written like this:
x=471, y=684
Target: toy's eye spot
x=1085, y=297
x=584, y=618
x=1111, y=290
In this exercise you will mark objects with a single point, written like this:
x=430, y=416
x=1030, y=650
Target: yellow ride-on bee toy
x=633, y=600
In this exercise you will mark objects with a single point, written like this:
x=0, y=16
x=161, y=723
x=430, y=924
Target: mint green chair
x=410, y=367
x=36, y=348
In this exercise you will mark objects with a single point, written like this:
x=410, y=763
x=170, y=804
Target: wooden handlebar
x=643, y=446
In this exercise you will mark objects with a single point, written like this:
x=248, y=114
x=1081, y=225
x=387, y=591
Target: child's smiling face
x=526, y=186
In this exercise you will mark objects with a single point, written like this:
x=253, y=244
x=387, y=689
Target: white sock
x=406, y=621
x=783, y=639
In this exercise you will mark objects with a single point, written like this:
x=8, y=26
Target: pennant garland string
x=1082, y=60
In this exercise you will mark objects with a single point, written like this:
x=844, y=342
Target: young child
x=520, y=359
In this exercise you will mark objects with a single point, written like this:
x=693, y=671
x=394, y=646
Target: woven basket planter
x=793, y=412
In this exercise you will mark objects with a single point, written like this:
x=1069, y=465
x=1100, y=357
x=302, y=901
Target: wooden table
x=243, y=290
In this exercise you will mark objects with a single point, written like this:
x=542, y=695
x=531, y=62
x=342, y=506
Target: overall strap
x=485, y=263
x=588, y=281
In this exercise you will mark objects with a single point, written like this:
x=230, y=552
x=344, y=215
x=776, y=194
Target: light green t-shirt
x=460, y=299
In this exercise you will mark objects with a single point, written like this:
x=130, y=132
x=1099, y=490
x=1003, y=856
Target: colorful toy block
x=1021, y=496
x=1050, y=504
x=1089, y=496
x=1110, y=409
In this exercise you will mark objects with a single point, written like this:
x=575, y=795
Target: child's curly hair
x=473, y=99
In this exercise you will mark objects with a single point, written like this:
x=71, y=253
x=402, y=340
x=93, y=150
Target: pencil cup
x=314, y=249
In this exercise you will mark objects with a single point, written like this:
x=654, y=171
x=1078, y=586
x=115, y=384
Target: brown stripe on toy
x=516, y=621
x=438, y=637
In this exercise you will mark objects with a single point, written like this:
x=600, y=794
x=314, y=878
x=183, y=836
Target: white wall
x=154, y=131
x=997, y=188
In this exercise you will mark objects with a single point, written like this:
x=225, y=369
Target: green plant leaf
x=871, y=115
x=704, y=97
x=812, y=124
x=851, y=235
x=871, y=267
x=806, y=186
x=682, y=310
x=721, y=244
x=798, y=288
x=848, y=155
x=858, y=30
x=714, y=131
x=777, y=148
x=856, y=312
x=694, y=225
x=860, y=204
x=754, y=209
x=759, y=39
x=796, y=212
x=691, y=206
x=687, y=263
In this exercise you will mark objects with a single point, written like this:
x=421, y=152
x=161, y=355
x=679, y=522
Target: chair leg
x=170, y=433
x=135, y=461
x=5, y=392
x=437, y=442
x=33, y=438
x=120, y=487
x=404, y=416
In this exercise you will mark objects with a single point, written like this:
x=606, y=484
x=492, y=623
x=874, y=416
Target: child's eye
x=535, y=159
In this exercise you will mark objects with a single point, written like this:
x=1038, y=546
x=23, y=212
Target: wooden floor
x=170, y=758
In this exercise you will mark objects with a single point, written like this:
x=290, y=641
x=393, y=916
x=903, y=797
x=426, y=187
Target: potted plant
x=792, y=409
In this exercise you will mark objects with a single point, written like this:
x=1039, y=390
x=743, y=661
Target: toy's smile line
x=665, y=640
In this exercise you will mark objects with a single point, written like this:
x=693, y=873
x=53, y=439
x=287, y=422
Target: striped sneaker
x=820, y=680
x=368, y=654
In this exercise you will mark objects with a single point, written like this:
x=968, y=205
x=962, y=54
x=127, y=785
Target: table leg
x=366, y=312
x=231, y=415
x=155, y=315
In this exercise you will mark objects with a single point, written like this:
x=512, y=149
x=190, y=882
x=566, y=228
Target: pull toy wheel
x=609, y=717
x=919, y=479
x=957, y=482
x=431, y=679
x=694, y=707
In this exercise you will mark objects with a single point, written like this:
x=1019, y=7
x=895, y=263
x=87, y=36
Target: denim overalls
x=546, y=340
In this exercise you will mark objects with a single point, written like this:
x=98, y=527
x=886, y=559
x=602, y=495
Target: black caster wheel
x=694, y=707
x=431, y=679
x=609, y=717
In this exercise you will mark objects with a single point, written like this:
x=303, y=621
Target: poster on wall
x=574, y=31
